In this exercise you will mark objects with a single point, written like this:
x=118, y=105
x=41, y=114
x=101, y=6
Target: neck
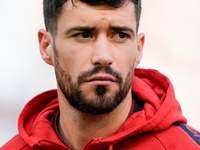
x=77, y=128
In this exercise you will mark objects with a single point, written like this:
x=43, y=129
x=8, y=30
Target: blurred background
x=172, y=29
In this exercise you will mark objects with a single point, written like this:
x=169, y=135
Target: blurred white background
x=172, y=29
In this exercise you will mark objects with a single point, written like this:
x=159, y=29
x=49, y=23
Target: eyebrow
x=79, y=28
x=90, y=29
x=122, y=28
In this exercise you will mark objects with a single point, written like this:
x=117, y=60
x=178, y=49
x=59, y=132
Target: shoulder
x=16, y=143
x=189, y=132
x=180, y=136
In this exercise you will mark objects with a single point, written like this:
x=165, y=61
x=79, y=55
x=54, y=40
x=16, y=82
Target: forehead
x=83, y=14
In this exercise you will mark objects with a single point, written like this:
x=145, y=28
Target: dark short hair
x=52, y=9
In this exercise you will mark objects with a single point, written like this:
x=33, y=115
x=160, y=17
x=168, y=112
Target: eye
x=120, y=36
x=83, y=35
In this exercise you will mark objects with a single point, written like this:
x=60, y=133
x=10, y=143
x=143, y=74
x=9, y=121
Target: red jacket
x=156, y=122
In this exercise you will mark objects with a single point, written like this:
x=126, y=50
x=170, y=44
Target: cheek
x=75, y=62
x=125, y=61
x=126, y=52
x=128, y=67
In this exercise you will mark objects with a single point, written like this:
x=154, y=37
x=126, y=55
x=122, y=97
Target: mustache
x=97, y=69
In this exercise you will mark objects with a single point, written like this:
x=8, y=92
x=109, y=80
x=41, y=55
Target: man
x=102, y=100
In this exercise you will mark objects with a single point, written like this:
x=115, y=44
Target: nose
x=102, y=52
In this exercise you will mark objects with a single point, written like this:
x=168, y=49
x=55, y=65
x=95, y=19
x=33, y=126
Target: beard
x=101, y=102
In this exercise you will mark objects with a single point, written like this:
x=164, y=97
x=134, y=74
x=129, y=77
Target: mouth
x=101, y=80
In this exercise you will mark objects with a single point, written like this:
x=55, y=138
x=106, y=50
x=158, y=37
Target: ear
x=140, y=45
x=46, y=46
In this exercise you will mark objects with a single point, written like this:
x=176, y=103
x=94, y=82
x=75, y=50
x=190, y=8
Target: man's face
x=95, y=53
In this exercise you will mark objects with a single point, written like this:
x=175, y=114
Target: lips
x=101, y=80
